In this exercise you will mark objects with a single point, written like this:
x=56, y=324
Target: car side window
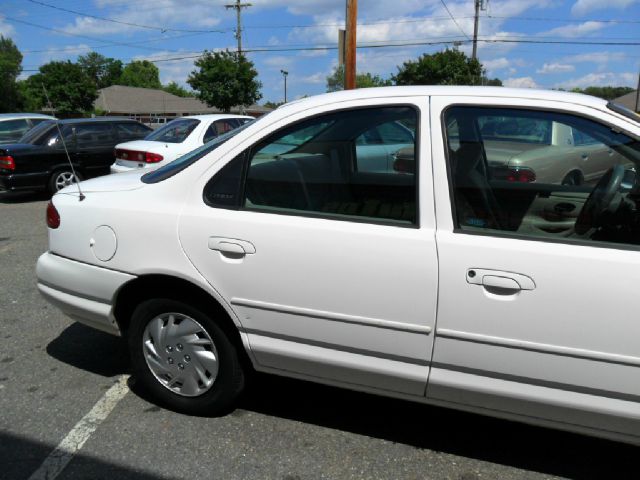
x=131, y=131
x=94, y=134
x=310, y=169
x=547, y=175
x=218, y=128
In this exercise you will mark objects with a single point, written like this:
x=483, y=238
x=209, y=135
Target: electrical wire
x=454, y=20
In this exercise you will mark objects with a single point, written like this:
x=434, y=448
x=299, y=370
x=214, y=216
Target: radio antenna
x=64, y=144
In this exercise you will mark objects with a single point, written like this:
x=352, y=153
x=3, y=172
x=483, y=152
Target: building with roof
x=149, y=105
x=630, y=100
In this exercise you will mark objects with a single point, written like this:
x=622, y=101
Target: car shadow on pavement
x=92, y=350
x=443, y=430
x=453, y=432
x=23, y=197
x=20, y=457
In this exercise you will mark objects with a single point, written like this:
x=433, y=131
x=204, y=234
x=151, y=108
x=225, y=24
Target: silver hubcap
x=180, y=354
x=64, y=179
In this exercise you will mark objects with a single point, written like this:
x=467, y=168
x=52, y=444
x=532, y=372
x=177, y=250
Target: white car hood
x=109, y=183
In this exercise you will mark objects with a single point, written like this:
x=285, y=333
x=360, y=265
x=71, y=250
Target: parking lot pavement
x=57, y=395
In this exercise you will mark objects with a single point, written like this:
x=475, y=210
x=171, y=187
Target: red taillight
x=152, y=157
x=520, y=174
x=53, y=217
x=7, y=162
x=136, y=156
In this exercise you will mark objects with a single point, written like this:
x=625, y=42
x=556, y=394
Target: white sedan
x=173, y=140
x=436, y=283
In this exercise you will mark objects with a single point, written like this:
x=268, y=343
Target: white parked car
x=435, y=283
x=13, y=126
x=173, y=140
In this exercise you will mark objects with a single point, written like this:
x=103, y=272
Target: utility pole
x=638, y=95
x=350, y=45
x=474, y=54
x=239, y=6
x=284, y=74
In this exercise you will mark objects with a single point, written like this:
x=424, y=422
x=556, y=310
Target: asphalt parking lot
x=59, y=377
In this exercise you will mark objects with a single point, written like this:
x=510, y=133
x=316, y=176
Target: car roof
x=96, y=119
x=215, y=116
x=13, y=116
x=446, y=90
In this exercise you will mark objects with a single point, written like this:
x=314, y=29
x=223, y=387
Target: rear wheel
x=572, y=179
x=62, y=178
x=183, y=358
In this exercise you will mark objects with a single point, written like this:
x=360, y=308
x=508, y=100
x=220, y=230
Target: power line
x=112, y=20
x=454, y=20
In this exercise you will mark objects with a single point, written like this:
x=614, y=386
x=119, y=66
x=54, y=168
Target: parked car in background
x=431, y=282
x=14, y=125
x=39, y=160
x=173, y=140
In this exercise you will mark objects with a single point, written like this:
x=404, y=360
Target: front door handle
x=499, y=279
x=232, y=246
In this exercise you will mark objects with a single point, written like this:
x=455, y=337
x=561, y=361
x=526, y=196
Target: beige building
x=157, y=106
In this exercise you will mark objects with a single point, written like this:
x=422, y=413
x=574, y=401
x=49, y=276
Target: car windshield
x=179, y=164
x=176, y=131
x=37, y=134
x=622, y=110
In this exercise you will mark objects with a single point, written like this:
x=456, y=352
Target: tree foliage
x=450, y=67
x=70, y=89
x=224, y=80
x=102, y=70
x=141, y=73
x=10, y=68
x=608, y=93
x=175, y=89
x=335, y=81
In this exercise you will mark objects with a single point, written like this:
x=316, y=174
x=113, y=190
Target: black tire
x=228, y=382
x=572, y=179
x=58, y=178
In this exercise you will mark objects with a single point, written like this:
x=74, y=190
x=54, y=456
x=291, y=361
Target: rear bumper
x=83, y=292
x=23, y=181
x=125, y=166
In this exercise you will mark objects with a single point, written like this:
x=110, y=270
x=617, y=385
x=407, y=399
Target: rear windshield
x=176, y=131
x=38, y=134
x=179, y=164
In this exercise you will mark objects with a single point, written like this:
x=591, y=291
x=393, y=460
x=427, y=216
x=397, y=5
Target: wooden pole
x=350, y=45
x=474, y=53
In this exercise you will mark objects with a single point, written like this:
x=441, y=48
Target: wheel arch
x=151, y=286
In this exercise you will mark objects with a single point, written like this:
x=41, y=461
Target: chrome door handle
x=231, y=246
x=499, y=279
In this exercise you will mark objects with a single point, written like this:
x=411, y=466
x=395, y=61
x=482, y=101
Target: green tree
x=70, y=89
x=335, y=81
x=10, y=68
x=273, y=105
x=608, y=93
x=102, y=70
x=140, y=73
x=491, y=82
x=450, y=67
x=224, y=80
x=175, y=89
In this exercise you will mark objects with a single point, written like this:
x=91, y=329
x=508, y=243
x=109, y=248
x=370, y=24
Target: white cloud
x=6, y=29
x=520, y=82
x=501, y=64
x=572, y=31
x=164, y=14
x=596, y=57
x=555, y=68
x=277, y=62
x=316, y=78
x=601, y=79
x=582, y=7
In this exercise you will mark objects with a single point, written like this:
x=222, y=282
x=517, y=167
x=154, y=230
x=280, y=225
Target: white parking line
x=76, y=438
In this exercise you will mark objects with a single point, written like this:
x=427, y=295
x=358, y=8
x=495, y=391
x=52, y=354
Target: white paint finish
x=350, y=368
x=104, y=243
x=57, y=460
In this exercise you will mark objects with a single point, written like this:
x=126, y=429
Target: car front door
x=538, y=322
x=332, y=272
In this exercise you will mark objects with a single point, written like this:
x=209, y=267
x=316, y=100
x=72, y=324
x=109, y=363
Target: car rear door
x=332, y=273
x=533, y=319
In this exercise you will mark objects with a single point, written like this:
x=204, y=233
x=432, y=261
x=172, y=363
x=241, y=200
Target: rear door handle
x=232, y=246
x=499, y=279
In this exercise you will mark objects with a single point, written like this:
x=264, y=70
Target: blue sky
x=170, y=29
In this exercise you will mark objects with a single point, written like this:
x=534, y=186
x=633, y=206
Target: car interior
x=605, y=210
